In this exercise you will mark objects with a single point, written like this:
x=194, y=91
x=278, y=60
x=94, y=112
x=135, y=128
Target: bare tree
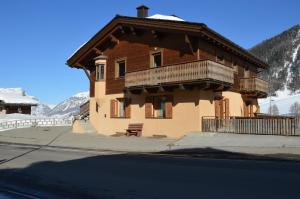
x=295, y=109
x=273, y=110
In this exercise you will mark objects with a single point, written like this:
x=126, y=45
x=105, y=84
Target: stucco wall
x=188, y=109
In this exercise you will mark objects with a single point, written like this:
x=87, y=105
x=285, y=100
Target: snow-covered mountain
x=69, y=106
x=41, y=110
x=282, y=53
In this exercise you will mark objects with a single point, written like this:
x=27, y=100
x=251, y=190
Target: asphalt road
x=54, y=173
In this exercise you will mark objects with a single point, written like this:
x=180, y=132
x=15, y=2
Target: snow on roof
x=165, y=17
x=16, y=96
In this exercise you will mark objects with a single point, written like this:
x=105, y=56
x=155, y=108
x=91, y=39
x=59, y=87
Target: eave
x=195, y=29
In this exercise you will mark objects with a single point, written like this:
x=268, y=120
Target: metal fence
x=45, y=122
x=260, y=126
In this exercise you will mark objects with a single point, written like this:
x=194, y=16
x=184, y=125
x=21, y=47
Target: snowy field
x=283, y=101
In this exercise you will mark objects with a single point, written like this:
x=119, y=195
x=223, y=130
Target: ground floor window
x=120, y=108
x=159, y=106
x=222, y=108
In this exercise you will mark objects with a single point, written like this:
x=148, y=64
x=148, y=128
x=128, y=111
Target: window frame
x=117, y=69
x=152, y=54
x=154, y=110
x=98, y=66
x=117, y=108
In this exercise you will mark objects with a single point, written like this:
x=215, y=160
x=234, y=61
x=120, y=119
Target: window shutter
x=148, y=107
x=113, y=108
x=226, y=108
x=169, y=106
x=127, y=107
x=217, y=108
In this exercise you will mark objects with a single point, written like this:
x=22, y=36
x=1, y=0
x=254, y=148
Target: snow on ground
x=16, y=116
x=16, y=96
x=165, y=17
x=283, y=101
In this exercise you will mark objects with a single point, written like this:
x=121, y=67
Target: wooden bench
x=134, y=129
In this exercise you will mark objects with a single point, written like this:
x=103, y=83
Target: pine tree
x=295, y=109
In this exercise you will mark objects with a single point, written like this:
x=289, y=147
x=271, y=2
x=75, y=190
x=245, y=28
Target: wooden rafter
x=132, y=29
x=86, y=71
x=188, y=41
x=114, y=39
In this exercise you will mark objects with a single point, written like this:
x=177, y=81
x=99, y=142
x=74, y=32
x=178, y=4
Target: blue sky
x=37, y=36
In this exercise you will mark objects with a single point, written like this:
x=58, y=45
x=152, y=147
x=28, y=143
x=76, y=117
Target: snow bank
x=16, y=96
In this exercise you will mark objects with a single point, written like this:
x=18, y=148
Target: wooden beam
x=87, y=73
x=189, y=42
x=97, y=50
x=114, y=39
x=132, y=29
x=121, y=29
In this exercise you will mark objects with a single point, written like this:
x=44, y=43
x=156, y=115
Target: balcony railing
x=253, y=84
x=190, y=71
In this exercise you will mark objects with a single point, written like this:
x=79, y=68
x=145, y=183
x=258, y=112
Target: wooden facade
x=156, y=70
x=133, y=39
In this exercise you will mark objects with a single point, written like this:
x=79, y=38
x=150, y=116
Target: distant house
x=166, y=73
x=14, y=100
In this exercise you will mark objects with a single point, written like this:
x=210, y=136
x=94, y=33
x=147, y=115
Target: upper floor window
x=156, y=59
x=100, y=72
x=220, y=59
x=120, y=69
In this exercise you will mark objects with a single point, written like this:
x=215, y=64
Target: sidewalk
x=197, y=142
x=63, y=137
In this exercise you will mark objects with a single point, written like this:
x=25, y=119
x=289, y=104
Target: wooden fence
x=34, y=123
x=260, y=126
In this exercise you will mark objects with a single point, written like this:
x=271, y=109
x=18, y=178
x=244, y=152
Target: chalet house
x=166, y=73
x=14, y=100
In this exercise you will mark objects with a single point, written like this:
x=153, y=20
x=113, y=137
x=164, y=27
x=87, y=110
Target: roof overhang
x=190, y=28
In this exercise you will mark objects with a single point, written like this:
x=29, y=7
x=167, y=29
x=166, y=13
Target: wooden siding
x=136, y=50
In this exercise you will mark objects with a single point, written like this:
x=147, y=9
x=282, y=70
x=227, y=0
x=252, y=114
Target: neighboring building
x=167, y=74
x=14, y=100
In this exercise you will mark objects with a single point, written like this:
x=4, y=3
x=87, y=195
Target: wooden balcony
x=190, y=72
x=255, y=86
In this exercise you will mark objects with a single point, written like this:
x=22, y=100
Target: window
x=19, y=110
x=156, y=60
x=120, y=108
x=158, y=107
x=100, y=72
x=120, y=69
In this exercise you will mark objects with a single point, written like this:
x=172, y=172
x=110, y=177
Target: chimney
x=142, y=11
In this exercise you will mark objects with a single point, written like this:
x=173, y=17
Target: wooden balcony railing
x=253, y=84
x=190, y=71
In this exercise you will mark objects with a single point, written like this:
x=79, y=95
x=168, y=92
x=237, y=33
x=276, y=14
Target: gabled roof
x=192, y=28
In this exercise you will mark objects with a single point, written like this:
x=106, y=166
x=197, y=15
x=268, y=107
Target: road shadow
x=168, y=174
